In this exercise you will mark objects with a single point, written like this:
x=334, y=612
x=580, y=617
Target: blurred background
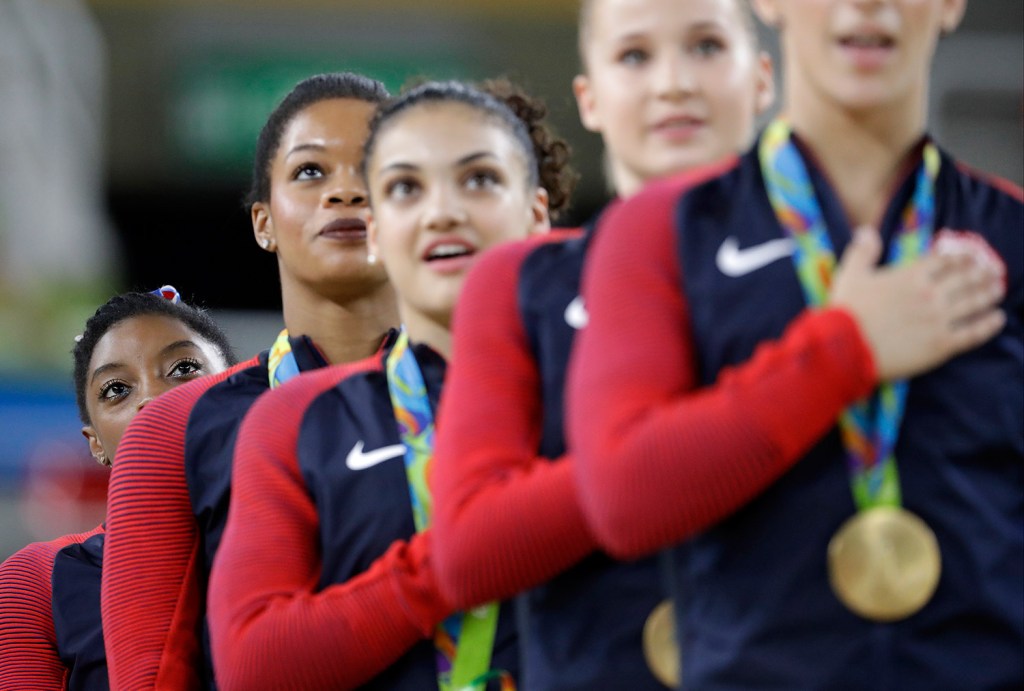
x=126, y=134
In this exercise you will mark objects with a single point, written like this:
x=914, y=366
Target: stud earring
x=102, y=459
x=371, y=258
x=265, y=243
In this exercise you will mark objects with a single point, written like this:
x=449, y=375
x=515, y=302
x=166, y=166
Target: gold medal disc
x=661, y=649
x=884, y=563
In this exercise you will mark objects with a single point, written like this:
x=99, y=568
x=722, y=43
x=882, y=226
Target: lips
x=345, y=229
x=450, y=255
x=868, y=47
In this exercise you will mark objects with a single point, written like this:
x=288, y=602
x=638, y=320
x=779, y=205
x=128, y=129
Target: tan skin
x=442, y=176
x=330, y=292
x=138, y=359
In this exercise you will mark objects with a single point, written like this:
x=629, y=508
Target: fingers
x=864, y=250
x=975, y=330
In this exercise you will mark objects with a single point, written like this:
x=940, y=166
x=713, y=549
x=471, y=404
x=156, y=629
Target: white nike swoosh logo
x=732, y=261
x=357, y=459
x=576, y=314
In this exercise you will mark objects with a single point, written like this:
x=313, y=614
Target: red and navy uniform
x=166, y=508
x=29, y=658
x=676, y=439
x=77, y=572
x=321, y=581
x=507, y=516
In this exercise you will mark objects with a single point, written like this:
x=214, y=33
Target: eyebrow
x=305, y=147
x=184, y=343
x=465, y=160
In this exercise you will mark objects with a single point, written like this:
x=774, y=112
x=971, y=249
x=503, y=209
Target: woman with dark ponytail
x=327, y=555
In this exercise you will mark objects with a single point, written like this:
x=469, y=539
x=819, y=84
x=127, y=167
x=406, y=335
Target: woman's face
x=669, y=85
x=135, y=361
x=447, y=183
x=315, y=219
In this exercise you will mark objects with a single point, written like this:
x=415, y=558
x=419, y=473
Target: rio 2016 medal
x=661, y=649
x=884, y=563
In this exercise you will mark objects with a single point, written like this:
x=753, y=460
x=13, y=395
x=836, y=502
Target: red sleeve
x=505, y=519
x=152, y=587
x=28, y=642
x=658, y=458
x=270, y=625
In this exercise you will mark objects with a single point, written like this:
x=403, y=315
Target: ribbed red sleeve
x=659, y=458
x=270, y=626
x=28, y=641
x=152, y=590
x=505, y=519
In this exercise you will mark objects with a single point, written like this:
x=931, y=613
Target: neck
x=345, y=330
x=859, y=151
x=424, y=330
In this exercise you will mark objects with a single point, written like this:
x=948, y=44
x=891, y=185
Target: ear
x=540, y=218
x=95, y=445
x=768, y=12
x=586, y=103
x=765, y=85
x=263, y=226
x=952, y=15
x=372, y=247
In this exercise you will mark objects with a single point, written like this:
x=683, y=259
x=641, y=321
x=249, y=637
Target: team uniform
x=167, y=506
x=321, y=562
x=507, y=513
x=750, y=465
x=29, y=654
x=77, y=572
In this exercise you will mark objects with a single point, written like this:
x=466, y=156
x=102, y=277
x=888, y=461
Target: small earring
x=265, y=243
x=102, y=459
x=371, y=258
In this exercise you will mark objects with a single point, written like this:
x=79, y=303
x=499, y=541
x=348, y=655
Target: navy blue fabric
x=76, y=614
x=582, y=628
x=756, y=610
x=362, y=512
x=210, y=439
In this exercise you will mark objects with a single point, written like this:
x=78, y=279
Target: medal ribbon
x=281, y=364
x=869, y=427
x=465, y=640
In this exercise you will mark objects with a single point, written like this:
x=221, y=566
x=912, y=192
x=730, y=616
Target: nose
x=143, y=403
x=673, y=78
x=443, y=210
x=347, y=188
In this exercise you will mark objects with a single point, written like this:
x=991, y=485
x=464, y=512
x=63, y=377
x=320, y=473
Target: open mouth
x=867, y=41
x=448, y=250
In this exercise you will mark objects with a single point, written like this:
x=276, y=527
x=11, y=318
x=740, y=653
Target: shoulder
x=35, y=561
x=655, y=204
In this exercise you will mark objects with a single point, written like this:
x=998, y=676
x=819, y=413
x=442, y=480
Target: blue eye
x=708, y=47
x=633, y=56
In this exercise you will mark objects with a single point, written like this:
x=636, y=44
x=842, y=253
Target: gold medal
x=884, y=563
x=661, y=649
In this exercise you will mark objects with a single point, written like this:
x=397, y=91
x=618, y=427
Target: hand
x=917, y=316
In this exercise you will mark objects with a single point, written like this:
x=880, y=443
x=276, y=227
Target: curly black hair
x=126, y=306
x=546, y=156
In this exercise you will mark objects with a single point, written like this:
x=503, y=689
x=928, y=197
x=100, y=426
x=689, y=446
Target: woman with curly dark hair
x=326, y=559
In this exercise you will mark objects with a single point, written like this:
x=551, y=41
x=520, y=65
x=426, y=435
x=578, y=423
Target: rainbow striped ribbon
x=465, y=640
x=868, y=428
